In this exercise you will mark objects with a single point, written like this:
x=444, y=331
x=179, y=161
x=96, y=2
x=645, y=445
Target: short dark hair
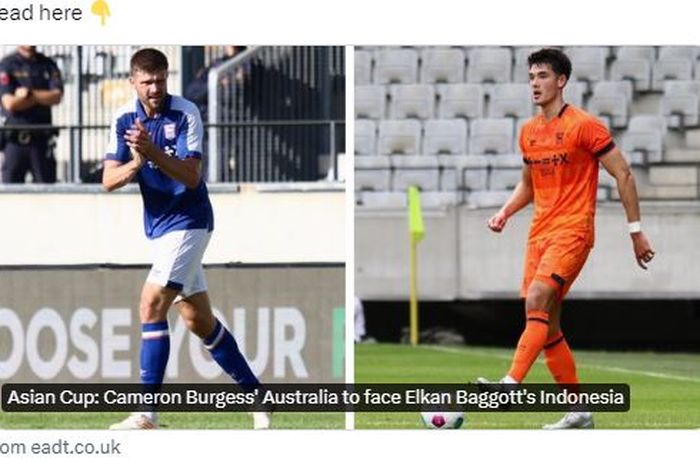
x=553, y=57
x=149, y=60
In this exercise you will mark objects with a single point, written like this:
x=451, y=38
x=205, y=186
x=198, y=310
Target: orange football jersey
x=563, y=158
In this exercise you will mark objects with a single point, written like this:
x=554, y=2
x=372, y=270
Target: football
x=442, y=420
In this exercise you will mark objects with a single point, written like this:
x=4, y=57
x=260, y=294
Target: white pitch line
x=651, y=374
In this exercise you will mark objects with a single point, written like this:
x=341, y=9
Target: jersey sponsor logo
x=556, y=159
x=560, y=138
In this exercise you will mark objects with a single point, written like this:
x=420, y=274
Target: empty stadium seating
x=365, y=137
x=363, y=67
x=511, y=100
x=445, y=136
x=674, y=63
x=612, y=99
x=395, y=65
x=680, y=103
x=461, y=100
x=399, y=137
x=588, y=63
x=442, y=65
x=645, y=136
x=447, y=119
x=493, y=135
x=634, y=64
x=370, y=101
x=489, y=64
x=412, y=101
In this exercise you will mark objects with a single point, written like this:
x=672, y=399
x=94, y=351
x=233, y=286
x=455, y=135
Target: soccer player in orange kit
x=561, y=149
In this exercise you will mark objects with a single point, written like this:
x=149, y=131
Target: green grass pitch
x=665, y=388
x=170, y=421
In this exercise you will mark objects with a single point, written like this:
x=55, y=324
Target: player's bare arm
x=186, y=171
x=521, y=196
x=116, y=174
x=617, y=166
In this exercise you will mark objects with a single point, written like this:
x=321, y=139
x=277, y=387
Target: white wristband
x=635, y=227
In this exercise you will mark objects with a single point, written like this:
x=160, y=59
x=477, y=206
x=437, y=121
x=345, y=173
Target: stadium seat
x=372, y=173
x=412, y=101
x=399, y=200
x=643, y=141
x=384, y=200
x=417, y=170
x=363, y=67
x=602, y=194
x=463, y=172
x=395, y=66
x=588, y=63
x=365, y=137
x=605, y=179
x=520, y=68
x=442, y=65
x=488, y=199
x=680, y=103
x=460, y=100
x=634, y=64
x=574, y=92
x=506, y=178
x=445, y=136
x=491, y=136
x=674, y=63
x=647, y=53
x=673, y=51
x=512, y=100
x=370, y=102
x=506, y=171
x=489, y=64
x=612, y=99
x=399, y=136
x=432, y=200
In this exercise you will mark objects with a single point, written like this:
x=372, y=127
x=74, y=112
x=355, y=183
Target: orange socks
x=560, y=360
x=530, y=344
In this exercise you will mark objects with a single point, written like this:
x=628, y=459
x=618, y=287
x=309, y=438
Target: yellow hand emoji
x=101, y=9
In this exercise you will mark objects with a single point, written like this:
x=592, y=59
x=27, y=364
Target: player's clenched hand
x=642, y=249
x=138, y=138
x=498, y=221
x=137, y=157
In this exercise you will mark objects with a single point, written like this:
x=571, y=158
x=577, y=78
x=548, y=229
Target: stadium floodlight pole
x=417, y=232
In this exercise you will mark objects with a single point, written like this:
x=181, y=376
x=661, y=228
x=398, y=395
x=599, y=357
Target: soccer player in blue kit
x=157, y=138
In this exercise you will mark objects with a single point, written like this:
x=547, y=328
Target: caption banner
x=316, y=398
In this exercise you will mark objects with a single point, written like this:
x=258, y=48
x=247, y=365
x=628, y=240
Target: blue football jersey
x=177, y=130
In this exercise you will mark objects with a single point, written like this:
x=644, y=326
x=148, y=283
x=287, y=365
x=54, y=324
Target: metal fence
x=277, y=114
x=282, y=109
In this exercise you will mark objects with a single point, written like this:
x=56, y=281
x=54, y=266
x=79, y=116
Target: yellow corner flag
x=417, y=231
x=101, y=8
x=415, y=216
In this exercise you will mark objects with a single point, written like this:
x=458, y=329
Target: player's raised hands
x=498, y=221
x=642, y=249
x=137, y=138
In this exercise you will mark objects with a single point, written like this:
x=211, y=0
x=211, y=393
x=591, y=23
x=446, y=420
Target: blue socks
x=224, y=350
x=155, y=349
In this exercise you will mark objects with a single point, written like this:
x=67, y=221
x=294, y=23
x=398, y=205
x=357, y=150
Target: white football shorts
x=177, y=261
